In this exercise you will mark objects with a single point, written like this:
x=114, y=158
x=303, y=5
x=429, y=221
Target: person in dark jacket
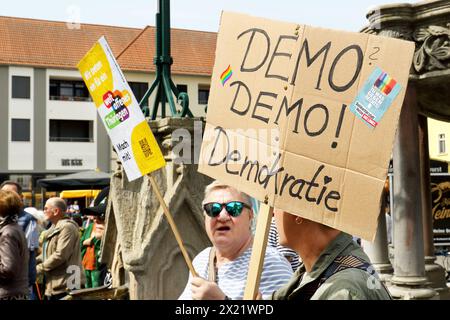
x=13, y=249
x=29, y=226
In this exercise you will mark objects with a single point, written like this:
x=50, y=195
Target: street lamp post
x=165, y=88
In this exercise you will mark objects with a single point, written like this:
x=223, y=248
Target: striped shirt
x=274, y=241
x=232, y=276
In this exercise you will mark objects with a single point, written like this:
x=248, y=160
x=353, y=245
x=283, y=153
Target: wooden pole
x=172, y=225
x=258, y=252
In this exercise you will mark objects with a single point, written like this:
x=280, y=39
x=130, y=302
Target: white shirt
x=232, y=276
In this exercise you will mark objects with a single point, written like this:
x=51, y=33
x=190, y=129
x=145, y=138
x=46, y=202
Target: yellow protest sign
x=119, y=110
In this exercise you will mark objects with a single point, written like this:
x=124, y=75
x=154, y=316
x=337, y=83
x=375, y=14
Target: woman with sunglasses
x=223, y=268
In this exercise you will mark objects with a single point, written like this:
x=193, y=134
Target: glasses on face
x=233, y=208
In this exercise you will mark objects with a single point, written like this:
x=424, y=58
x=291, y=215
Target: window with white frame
x=203, y=93
x=71, y=130
x=139, y=89
x=20, y=87
x=182, y=88
x=442, y=146
x=20, y=129
x=69, y=90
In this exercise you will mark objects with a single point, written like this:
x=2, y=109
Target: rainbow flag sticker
x=226, y=75
x=385, y=83
x=375, y=98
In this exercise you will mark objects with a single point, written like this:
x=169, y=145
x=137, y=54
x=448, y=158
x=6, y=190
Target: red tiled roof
x=192, y=51
x=52, y=44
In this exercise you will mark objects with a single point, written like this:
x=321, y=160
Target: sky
x=202, y=15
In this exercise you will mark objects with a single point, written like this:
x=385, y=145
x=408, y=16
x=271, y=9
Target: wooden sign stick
x=258, y=252
x=172, y=225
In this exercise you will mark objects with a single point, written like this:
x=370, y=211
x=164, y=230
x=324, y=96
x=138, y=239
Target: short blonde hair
x=217, y=185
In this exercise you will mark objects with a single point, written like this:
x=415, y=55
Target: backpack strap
x=339, y=264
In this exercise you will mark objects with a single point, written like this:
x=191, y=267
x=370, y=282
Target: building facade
x=438, y=139
x=49, y=124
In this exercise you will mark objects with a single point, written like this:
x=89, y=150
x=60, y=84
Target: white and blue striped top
x=232, y=276
x=274, y=241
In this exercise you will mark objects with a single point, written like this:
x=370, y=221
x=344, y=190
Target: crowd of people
x=304, y=259
x=46, y=254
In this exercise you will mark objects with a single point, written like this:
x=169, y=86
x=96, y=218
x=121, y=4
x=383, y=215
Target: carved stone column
x=409, y=280
x=378, y=250
x=426, y=23
x=149, y=251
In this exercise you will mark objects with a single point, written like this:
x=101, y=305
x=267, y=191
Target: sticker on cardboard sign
x=375, y=98
x=226, y=75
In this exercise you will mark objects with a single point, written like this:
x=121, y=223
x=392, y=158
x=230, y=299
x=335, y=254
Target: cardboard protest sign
x=120, y=112
x=305, y=117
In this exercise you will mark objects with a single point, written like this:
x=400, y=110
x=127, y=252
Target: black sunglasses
x=234, y=208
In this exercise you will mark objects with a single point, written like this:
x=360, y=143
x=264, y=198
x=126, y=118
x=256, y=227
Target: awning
x=68, y=194
x=90, y=179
